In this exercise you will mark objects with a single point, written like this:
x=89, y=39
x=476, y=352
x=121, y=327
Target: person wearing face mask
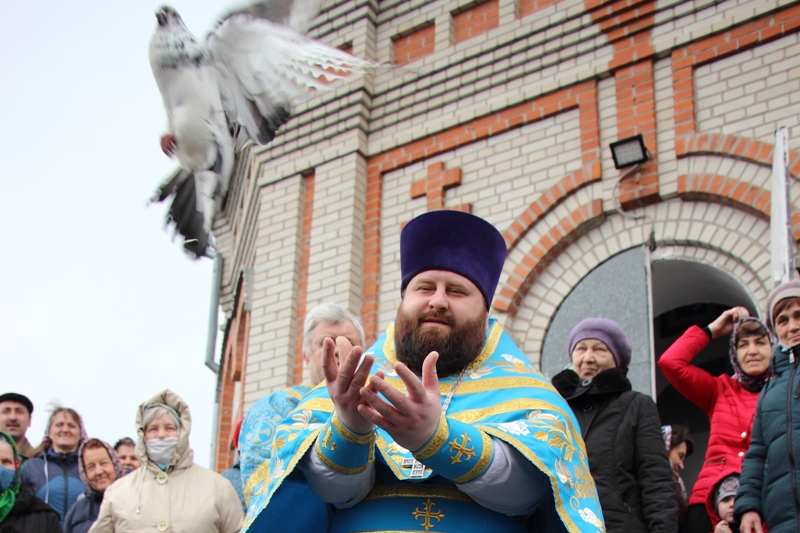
x=20, y=510
x=53, y=472
x=99, y=467
x=169, y=492
x=621, y=429
x=729, y=401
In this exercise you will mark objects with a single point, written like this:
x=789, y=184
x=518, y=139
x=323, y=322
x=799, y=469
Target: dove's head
x=167, y=16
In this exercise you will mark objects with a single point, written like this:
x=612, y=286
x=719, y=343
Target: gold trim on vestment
x=417, y=491
x=261, y=473
x=294, y=393
x=381, y=444
x=566, y=519
x=387, y=531
x=349, y=435
x=258, y=476
x=471, y=416
x=338, y=468
x=488, y=347
x=481, y=385
x=436, y=442
x=483, y=462
x=317, y=404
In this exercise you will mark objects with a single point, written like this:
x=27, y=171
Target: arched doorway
x=655, y=297
x=686, y=293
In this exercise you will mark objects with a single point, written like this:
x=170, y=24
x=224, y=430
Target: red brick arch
x=548, y=201
x=733, y=146
x=580, y=221
x=735, y=193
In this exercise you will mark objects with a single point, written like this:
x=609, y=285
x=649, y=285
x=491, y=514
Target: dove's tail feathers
x=192, y=210
x=167, y=188
x=187, y=219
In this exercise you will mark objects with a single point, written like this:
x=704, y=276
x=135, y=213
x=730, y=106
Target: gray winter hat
x=605, y=330
x=790, y=289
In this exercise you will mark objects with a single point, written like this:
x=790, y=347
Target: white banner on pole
x=780, y=219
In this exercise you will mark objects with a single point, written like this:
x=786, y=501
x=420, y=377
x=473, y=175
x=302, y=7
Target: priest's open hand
x=410, y=418
x=345, y=381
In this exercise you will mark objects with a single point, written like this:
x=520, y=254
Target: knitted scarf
x=9, y=496
x=751, y=383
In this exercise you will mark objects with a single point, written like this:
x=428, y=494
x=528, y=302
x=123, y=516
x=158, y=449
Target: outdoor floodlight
x=630, y=151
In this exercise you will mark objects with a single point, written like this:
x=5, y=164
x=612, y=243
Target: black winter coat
x=30, y=515
x=627, y=455
x=771, y=468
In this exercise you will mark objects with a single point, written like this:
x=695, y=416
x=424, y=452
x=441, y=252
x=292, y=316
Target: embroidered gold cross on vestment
x=462, y=449
x=427, y=514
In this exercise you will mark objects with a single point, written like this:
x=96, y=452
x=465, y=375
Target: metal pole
x=780, y=219
x=213, y=313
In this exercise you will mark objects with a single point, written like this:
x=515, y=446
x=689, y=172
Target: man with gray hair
x=327, y=320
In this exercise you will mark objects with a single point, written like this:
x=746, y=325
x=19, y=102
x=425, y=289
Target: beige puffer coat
x=186, y=498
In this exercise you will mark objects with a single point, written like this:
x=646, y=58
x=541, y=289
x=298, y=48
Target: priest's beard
x=457, y=347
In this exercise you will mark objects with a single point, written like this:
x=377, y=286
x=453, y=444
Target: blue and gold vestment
x=502, y=396
x=260, y=424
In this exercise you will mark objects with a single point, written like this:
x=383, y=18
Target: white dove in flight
x=237, y=84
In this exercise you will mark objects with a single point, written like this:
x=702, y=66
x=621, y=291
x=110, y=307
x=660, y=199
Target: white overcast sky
x=100, y=309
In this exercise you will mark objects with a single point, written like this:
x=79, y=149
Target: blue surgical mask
x=6, y=478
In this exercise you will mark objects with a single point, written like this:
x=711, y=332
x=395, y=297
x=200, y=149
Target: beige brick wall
x=272, y=328
x=337, y=233
x=752, y=93
x=363, y=127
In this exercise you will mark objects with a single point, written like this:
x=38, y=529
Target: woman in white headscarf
x=169, y=493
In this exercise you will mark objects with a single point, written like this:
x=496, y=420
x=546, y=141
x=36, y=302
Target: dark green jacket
x=769, y=480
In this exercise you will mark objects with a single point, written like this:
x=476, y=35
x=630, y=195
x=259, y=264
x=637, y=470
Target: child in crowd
x=724, y=497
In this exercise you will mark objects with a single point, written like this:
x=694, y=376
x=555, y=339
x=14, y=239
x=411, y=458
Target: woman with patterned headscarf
x=99, y=467
x=20, y=510
x=729, y=401
x=53, y=473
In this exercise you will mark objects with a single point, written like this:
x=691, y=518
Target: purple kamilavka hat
x=457, y=242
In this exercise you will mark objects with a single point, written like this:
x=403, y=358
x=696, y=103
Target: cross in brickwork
x=433, y=187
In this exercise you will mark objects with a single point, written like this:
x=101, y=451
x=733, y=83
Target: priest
x=442, y=425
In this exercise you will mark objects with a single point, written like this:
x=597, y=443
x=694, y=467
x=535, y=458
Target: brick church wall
x=506, y=109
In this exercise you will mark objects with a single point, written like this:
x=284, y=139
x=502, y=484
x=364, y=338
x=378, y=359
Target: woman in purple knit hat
x=621, y=429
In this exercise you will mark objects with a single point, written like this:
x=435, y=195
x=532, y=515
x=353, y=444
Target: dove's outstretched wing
x=263, y=65
x=295, y=14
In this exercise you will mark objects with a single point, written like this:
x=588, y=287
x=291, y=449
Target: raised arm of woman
x=676, y=363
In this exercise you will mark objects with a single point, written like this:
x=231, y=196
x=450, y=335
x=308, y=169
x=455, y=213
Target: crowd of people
x=443, y=425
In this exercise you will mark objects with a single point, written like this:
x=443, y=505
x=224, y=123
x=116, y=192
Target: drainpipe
x=211, y=346
x=780, y=221
x=213, y=313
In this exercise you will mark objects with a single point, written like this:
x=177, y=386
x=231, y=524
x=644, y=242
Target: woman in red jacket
x=729, y=401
